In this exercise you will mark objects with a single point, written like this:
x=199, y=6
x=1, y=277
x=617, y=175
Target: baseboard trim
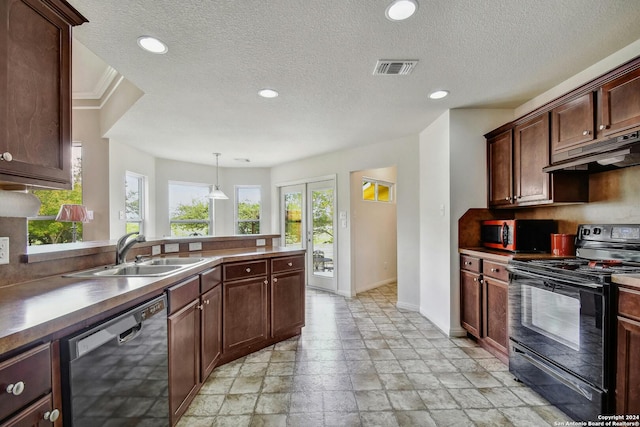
x=377, y=285
x=407, y=306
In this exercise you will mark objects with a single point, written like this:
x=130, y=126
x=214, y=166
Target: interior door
x=321, y=227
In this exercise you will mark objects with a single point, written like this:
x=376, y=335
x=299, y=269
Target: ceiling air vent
x=394, y=67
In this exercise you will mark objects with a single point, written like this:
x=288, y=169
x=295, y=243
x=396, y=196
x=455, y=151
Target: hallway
x=363, y=362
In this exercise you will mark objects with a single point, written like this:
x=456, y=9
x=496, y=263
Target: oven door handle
x=554, y=373
x=566, y=281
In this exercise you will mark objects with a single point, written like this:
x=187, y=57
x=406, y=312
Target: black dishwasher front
x=115, y=373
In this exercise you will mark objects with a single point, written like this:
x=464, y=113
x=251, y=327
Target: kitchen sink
x=171, y=261
x=150, y=268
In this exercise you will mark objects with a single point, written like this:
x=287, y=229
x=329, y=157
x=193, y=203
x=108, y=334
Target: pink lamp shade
x=72, y=213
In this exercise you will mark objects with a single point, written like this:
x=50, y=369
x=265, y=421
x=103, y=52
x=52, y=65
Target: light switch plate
x=4, y=250
x=171, y=247
x=195, y=246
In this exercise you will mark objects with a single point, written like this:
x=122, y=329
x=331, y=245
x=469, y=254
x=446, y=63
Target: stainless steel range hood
x=619, y=152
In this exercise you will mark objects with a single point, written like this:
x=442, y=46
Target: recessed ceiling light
x=400, y=10
x=268, y=93
x=438, y=94
x=152, y=44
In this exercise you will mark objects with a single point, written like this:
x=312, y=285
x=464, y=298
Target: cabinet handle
x=586, y=132
x=6, y=156
x=290, y=264
x=248, y=270
x=603, y=127
x=52, y=416
x=16, y=389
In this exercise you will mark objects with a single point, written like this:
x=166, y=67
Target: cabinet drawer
x=183, y=293
x=470, y=263
x=495, y=270
x=243, y=270
x=210, y=278
x=629, y=303
x=287, y=264
x=31, y=371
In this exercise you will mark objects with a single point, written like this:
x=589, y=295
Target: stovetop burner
x=598, y=270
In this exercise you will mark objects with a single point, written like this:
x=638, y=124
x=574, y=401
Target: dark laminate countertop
x=32, y=311
x=627, y=280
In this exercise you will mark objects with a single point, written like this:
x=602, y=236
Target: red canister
x=563, y=244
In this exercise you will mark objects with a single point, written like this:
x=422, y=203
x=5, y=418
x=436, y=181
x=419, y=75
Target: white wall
x=95, y=183
x=403, y=153
x=452, y=180
x=123, y=158
x=373, y=233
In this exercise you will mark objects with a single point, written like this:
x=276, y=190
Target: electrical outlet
x=195, y=246
x=4, y=250
x=261, y=242
x=155, y=250
x=171, y=247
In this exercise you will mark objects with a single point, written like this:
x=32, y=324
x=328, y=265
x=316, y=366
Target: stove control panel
x=625, y=233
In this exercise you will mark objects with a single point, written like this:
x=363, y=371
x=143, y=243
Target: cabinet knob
x=507, y=198
x=52, y=416
x=275, y=279
x=494, y=270
x=467, y=263
x=586, y=132
x=480, y=281
x=6, y=156
x=206, y=302
x=290, y=264
x=603, y=127
x=248, y=270
x=16, y=389
x=200, y=307
x=266, y=282
x=475, y=279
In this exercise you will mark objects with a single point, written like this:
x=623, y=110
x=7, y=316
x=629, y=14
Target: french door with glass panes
x=308, y=222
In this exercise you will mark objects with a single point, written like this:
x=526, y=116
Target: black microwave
x=518, y=235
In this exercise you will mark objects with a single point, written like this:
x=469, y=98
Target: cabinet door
x=184, y=358
x=495, y=313
x=499, y=164
x=628, y=369
x=34, y=415
x=573, y=124
x=244, y=313
x=531, y=154
x=211, y=330
x=471, y=302
x=35, y=111
x=620, y=104
x=287, y=302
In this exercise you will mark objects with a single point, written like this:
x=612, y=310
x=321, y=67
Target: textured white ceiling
x=201, y=97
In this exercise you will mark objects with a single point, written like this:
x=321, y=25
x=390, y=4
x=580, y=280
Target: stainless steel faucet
x=122, y=247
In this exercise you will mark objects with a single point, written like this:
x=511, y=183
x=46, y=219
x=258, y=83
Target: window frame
x=236, y=220
x=376, y=182
x=142, y=188
x=210, y=221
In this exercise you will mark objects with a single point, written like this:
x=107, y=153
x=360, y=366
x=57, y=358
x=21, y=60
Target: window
x=375, y=190
x=135, y=202
x=190, y=211
x=44, y=229
x=248, y=209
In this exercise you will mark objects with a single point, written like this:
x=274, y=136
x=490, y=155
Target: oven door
x=560, y=321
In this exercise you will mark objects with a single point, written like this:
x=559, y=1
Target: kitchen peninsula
x=210, y=304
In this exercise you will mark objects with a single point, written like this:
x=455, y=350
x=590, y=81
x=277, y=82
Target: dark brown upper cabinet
x=35, y=92
x=573, y=124
x=620, y=104
x=500, y=168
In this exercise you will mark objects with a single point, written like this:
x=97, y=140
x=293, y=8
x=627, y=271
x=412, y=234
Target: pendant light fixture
x=217, y=193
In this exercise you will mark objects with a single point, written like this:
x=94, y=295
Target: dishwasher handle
x=123, y=328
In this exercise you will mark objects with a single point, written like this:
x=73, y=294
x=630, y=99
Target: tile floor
x=363, y=362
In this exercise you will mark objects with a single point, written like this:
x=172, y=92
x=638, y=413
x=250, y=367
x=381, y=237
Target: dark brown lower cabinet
x=245, y=315
x=495, y=313
x=628, y=368
x=287, y=302
x=211, y=330
x=471, y=302
x=35, y=415
x=184, y=358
